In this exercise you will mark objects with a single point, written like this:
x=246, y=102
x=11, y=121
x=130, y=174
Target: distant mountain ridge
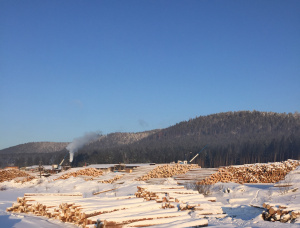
x=36, y=147
x=232, y=138
x=118, y=139
x=32, y=153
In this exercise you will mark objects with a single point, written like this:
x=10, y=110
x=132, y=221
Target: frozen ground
x=240, y=202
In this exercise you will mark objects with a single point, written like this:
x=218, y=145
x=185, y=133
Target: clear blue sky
x=70, y=67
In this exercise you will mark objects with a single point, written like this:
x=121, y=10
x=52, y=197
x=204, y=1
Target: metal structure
x=59, y=166
x=197, y=155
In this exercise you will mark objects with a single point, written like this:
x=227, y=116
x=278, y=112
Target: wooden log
x=266, y=215
x=295, y=214
x=53, y=194
x=273, y=210
x=284, y=218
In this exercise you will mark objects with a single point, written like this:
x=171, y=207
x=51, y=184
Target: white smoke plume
x=78, y=143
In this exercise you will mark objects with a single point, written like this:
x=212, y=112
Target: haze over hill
x=232, y=138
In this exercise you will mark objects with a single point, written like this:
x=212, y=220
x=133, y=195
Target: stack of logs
x=51, y=207
x=280, y=213
x=166, y=171
x=147, y=195
x=91, y=172
x=177, y=197
x=70, y=210
x=254, y=173
x=10, y=174
x=84, y=212
x=166, y=199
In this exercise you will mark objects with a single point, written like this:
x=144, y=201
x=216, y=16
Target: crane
x=59, y=165
x=196, y=155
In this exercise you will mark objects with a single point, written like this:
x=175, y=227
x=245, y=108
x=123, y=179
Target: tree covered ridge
x=232, y=138
x=36, y=147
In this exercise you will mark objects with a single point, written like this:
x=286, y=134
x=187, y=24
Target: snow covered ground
x=240, y=202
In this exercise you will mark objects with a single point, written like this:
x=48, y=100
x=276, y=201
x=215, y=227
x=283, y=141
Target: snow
x=240, y=203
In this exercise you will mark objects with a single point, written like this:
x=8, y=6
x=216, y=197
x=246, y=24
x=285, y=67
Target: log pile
x=91, y=172
x=10, y=174
x=179, y=197
x=166, y=171
x=280, y=213
x=146, y=195
x=157, y=192
x=176, y=201
x=58, y=206
x=37, y=203
x=62, y=207
x=254, y=173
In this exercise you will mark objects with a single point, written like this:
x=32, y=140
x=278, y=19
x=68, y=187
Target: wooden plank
x=97, y=193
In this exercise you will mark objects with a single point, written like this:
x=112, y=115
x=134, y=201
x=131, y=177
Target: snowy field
x=241, y=204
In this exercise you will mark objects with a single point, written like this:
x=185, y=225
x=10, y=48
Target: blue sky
x=71, y=67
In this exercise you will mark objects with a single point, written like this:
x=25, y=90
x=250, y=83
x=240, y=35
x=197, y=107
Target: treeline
x=35, y=147
x=29, y=154
x=29, y=159
x=232, y=138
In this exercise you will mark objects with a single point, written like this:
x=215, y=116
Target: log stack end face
x=280, y=213
x=165, y=171
x=254, y=173
x=88, y=172
x=18, y=175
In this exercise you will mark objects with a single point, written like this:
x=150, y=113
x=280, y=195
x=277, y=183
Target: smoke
x=78, y=143
x=143, y=123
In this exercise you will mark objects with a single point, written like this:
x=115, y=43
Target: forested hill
x=232, y=138
x=35, y=147
x=32, y=153
x=48, y=153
